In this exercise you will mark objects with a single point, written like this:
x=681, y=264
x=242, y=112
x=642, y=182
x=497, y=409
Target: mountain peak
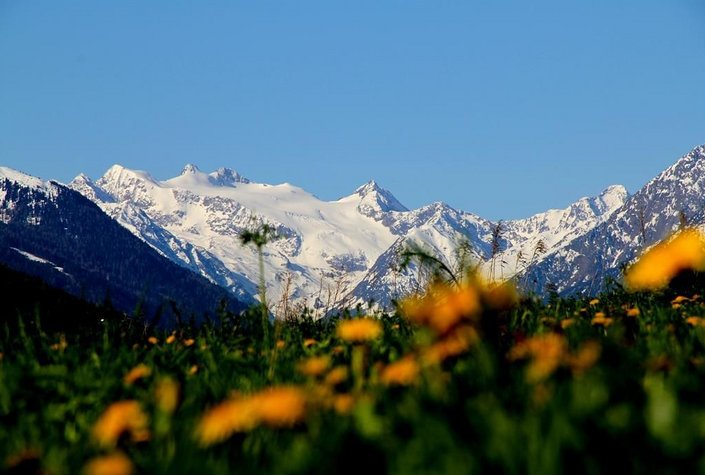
x=369, y=187
x=226, y=177
x=190, y=169
x=21, y=178
x=375, y=197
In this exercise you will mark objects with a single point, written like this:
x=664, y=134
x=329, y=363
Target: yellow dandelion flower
x=567, y=323
x=676, y=306
x=453, y=344
x=113, y=464
x=123, y=417
x=343, y=403
x=170, y=339
x=403, y=372
x=546, y=351
x=153, y=340
x=309, y=342
x=655, y=269
x=633, y=312
x=594, y=301
x=138, y=372
x=189, y=342
x=282, y=406
x=359, y=330
x=695, y=321
x=336, y=376
x=314, y=366
x=601, y=319
x=166, y=395
x=281, y=344
x=193, y=370
x=680, y=299
x=225, y=419
x=443, y=307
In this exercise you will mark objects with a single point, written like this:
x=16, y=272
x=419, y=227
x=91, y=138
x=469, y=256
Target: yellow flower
x=114, y=464
x=123, y=417
x=153, y=340
x=314, y=366
x=695, y=321
x=193, y=370
x=170, y=339
x=403, y=372
x=276, y=407
x=225, y=419
x=444, y=307
x=281, y=406
x=594, y=301
x=546, y=351
x=655, y=269
x=567, y=323
x=343, y=403
x=138, y=372
x=359, y=330
x=601, y=319
x=189, y=342
x=166, y=395
x=453, y=344
x=281, y=344
x=633, y=312
x=308, y=342
x=680, y=299
x=336, y=376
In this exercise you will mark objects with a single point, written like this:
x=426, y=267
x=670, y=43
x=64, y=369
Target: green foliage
x=637, y=409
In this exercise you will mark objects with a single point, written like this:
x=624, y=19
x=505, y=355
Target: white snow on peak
x=326, y=251
x=372, y=198
x=22, y=178
x=227, y=177
x=189, y=169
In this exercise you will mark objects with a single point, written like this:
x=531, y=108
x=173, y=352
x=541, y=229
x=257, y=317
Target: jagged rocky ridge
x=329, y=254
x=50, y=231
x=584, y=264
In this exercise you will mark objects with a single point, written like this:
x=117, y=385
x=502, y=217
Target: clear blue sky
x=503, y=108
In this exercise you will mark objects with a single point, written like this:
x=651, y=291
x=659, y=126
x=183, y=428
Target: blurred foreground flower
x=114, y=464
x=138, y=372
x=550, y=351
x=275, y=407
x=314, y=366
x=403, y=372
x=443, y=306
x=123, y=417
x=454, y=344
x=359, y=330
x=660, y=264
x=546, y=351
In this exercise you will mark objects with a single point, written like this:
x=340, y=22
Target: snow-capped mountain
x=655, y=211
x=50, y=231
x=329, y=253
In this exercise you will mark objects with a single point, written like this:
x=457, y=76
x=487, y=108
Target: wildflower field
x=465, y=378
